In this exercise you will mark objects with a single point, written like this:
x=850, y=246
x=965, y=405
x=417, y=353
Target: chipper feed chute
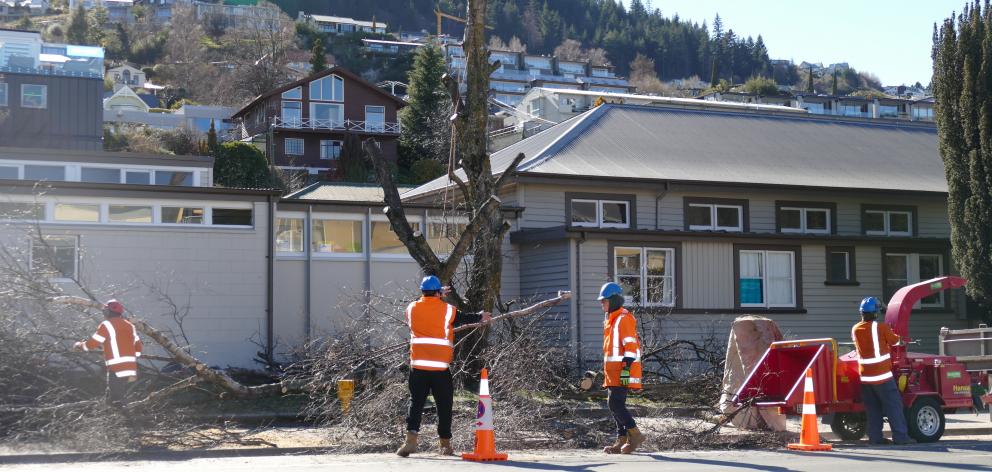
x=777, y=380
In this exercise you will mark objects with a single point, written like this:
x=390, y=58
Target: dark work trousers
x=884, y=398
x=116, y=389
x=437, y=383
x=618, y=406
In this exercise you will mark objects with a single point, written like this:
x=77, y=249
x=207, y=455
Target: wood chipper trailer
x=930, y=384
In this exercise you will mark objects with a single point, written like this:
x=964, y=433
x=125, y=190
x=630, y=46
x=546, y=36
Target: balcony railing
x=378, y=127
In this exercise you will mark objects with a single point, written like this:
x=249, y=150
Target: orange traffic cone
x=485, y=438
x=809, y=438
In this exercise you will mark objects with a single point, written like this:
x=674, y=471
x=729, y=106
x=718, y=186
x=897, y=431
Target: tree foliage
x=426, y=127
x=761, y=86
x=962, y=80
x=318, y=57
x=241, y=165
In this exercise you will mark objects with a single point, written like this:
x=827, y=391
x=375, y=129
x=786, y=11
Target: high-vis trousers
x=439, y=385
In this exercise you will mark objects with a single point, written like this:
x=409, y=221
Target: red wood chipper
x=930, y=384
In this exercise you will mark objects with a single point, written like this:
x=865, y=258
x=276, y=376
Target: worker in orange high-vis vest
x=121, y=349
x=621, y=366
x=873, y=340
x=432, y=340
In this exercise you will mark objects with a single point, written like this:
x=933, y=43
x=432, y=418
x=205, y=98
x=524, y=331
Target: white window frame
x=375, y=127
x=886, y=218
x=764, y=279
x=336, y=122
x=340, y=147
x=670, y=265
x=287, y=149
x=334, y=79
x=289, y=95
x=388, y=256
x=282, y=112
x=913, y=274
x=44, y=96
x=49, y=204
x=599, y=223
x=302, y=216
x=75, y=260
x=848, y=276
x=713, y=226
x=73, y=170
x=802, y=229
x=338, y=217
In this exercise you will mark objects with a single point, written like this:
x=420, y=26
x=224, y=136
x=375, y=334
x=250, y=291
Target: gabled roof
x=660, y=143
x=333, y=70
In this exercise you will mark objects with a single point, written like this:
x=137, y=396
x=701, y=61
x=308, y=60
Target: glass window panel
x=232, y=216
x=315, y=90
x=289, y=234
x=897, y=273
x=294, y=146
x=337, y=236
x=130, y=214
x=780, y=278
x=22, y=211
x=54, y=257
x=165, y=177
x=34, y=96
x=326, y=115
x=293, y=93
x=700, y=215
x=728, y=217
x=751, y=277
x=816, y=220
x=899, y=222
x=325, y=89
x=3, y=94
x=338, y=89
x=628, y=261
x=442, y=236
x=292, y=113
x=38, y=172
x=658, y=291
x=100, y=175
x=138, y=177
x=791, y=219
x=8, y=172
x=385, y=241
x=657, y=262
x=875, y=221
x=182, y=215
x=77, y=212
x=930, y=267
x=615, y=213
x=631, y=288
x=839, y=266
x=330, y=149
x=584, y=212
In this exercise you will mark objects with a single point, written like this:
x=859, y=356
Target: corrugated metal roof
x=341, y=192
x=657, y=142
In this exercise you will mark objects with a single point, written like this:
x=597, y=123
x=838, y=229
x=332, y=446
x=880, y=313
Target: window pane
x=182, y=215
x=790, y=219
x=631, y=288
x=816, y=220
x=385, y=241
x=100, y=175
x=292, y=113
x=751, y=277
x=896, y=273
x=8, y=172
x=659, y=290
x=657, y=262
x=77, y=212
x=232, y=216
x=728, y=217
x=584, y=212
x=289, y=234
x=22, y=211
x=780, y=278
x=296, y=92
x=615, y=213
x=35, y=172
x=442, y=236
x=338, y=89
x=315, y=90
x=54, y=257
x=294, y=146
x=628, y=261
x=930, y=267
x=337, y=236
x=325, y=89
x=699, y=215
x=130, y=214
x=34, y=96
x=874, y=221
x=138, y=178
x=164, y=177
x=839, y=267
x=899, y=222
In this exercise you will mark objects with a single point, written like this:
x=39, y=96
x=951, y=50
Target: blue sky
x=890, y=38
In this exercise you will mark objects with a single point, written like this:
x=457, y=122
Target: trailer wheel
x=925, y=420
x=849, y=426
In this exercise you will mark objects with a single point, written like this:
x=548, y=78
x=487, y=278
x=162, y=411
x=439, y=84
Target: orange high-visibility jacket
x=432, y=336
x=620, y=340
x=873, y=339
x=121, y=346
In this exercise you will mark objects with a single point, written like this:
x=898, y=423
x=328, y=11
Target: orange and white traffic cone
x=809, y=437
x=485, y=438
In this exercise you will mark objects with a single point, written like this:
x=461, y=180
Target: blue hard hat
x=430, y=284
x=609, y=289
x=869, y=305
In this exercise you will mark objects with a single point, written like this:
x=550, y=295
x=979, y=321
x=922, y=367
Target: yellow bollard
x=346, y=391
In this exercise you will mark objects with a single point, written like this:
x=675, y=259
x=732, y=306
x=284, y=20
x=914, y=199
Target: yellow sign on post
x=346, y=391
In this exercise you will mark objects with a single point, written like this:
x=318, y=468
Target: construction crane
x=440, y=14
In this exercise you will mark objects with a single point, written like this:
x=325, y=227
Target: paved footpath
x=971, y=455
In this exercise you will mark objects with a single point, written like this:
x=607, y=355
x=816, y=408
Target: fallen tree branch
x=562, y=296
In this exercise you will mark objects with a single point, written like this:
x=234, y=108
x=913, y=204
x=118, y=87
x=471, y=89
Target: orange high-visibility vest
x=620, y=340
x=432, y=336
x=121, y=346
x=872, y=340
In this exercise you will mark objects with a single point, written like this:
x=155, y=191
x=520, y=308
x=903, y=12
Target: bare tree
x=644, y=76
x=256, y=51
x=185, y=52
x=570, y=50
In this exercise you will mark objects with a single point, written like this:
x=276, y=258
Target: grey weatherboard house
x=705, y=215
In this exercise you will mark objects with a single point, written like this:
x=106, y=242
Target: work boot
x=615, y=448
x=634, y=440
x=409, y=446
x=444, y=447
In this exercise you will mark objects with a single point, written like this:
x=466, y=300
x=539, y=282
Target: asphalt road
x=944, y=455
